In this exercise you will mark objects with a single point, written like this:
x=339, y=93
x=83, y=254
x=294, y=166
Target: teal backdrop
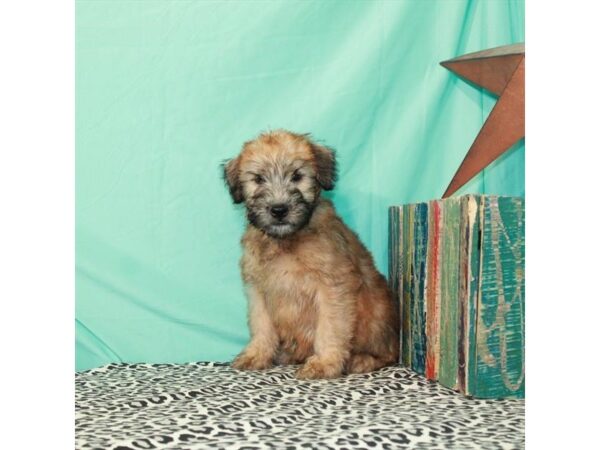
x=166, y=90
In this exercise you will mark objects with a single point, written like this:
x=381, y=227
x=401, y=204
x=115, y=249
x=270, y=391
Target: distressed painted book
x=499, y=362
x=449, y=301
x=457, y=270
x=470, y=236
x=418, y=311
x=395, y=261
x=432, y=296
x=407, y=293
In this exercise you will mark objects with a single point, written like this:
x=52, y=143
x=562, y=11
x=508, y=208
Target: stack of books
x=456, y=267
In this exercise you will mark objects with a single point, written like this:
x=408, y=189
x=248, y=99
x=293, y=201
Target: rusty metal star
x=501, y=71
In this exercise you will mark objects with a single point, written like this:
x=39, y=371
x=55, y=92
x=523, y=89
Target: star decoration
x=501, y=71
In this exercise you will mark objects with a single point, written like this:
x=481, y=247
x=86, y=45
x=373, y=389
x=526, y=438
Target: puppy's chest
x=278, y=272
x=288, y=287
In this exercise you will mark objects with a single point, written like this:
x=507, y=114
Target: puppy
x=315, y=297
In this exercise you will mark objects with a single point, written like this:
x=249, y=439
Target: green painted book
x=408, y=245
x=470, y=236
x=449, y=301
x=499, y=361
x=394, y=261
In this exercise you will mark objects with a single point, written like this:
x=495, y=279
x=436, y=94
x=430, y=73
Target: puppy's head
x=279, y=177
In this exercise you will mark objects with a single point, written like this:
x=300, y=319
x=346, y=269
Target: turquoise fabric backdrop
x=165, y=90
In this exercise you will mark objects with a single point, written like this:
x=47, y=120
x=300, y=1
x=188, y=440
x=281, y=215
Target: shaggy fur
x=315, y=297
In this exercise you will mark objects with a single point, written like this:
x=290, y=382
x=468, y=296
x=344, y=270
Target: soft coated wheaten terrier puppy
x=314, y=294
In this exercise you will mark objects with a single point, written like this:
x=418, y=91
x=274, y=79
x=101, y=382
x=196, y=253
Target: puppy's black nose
x=279, y=211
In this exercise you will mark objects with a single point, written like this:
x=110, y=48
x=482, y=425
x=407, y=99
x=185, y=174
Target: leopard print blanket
x=211, y=405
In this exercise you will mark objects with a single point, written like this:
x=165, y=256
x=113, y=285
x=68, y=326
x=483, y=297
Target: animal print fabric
x=211, y=405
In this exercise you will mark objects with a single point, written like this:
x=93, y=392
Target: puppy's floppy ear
x=231, y=175
x=326, y=166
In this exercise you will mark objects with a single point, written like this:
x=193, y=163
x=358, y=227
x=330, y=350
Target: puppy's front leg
x=335, y=322
x=261, y=349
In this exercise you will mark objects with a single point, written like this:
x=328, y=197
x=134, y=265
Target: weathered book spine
x=394, y=262
x=399, y=247
x=473, y=281
x=393, y=271
x=418, y=317
x=407, y=284
x=500, y=362
x=432, y=295
x=467, y=294
x=449, y=306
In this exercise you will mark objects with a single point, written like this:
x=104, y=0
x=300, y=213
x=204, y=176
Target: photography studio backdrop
x=165, y=91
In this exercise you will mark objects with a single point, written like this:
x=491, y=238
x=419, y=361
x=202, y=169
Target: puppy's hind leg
x=260, y=351
x=364, y=362
x=376, y=342
x=380, y=351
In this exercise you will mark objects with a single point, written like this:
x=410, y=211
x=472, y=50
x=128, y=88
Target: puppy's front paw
x=251, y=361
x=316, y=368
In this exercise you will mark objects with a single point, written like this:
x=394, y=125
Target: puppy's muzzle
x=279, y=211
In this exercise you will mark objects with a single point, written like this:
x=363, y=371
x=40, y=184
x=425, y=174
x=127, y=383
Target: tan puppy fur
x=315, y=296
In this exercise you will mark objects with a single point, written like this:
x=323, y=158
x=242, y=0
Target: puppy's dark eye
x=259, y=179
x=296, y=177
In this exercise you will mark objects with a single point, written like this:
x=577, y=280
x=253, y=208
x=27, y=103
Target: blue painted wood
x=419, y=262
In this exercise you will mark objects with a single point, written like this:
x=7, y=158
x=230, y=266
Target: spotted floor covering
x=212, y=406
